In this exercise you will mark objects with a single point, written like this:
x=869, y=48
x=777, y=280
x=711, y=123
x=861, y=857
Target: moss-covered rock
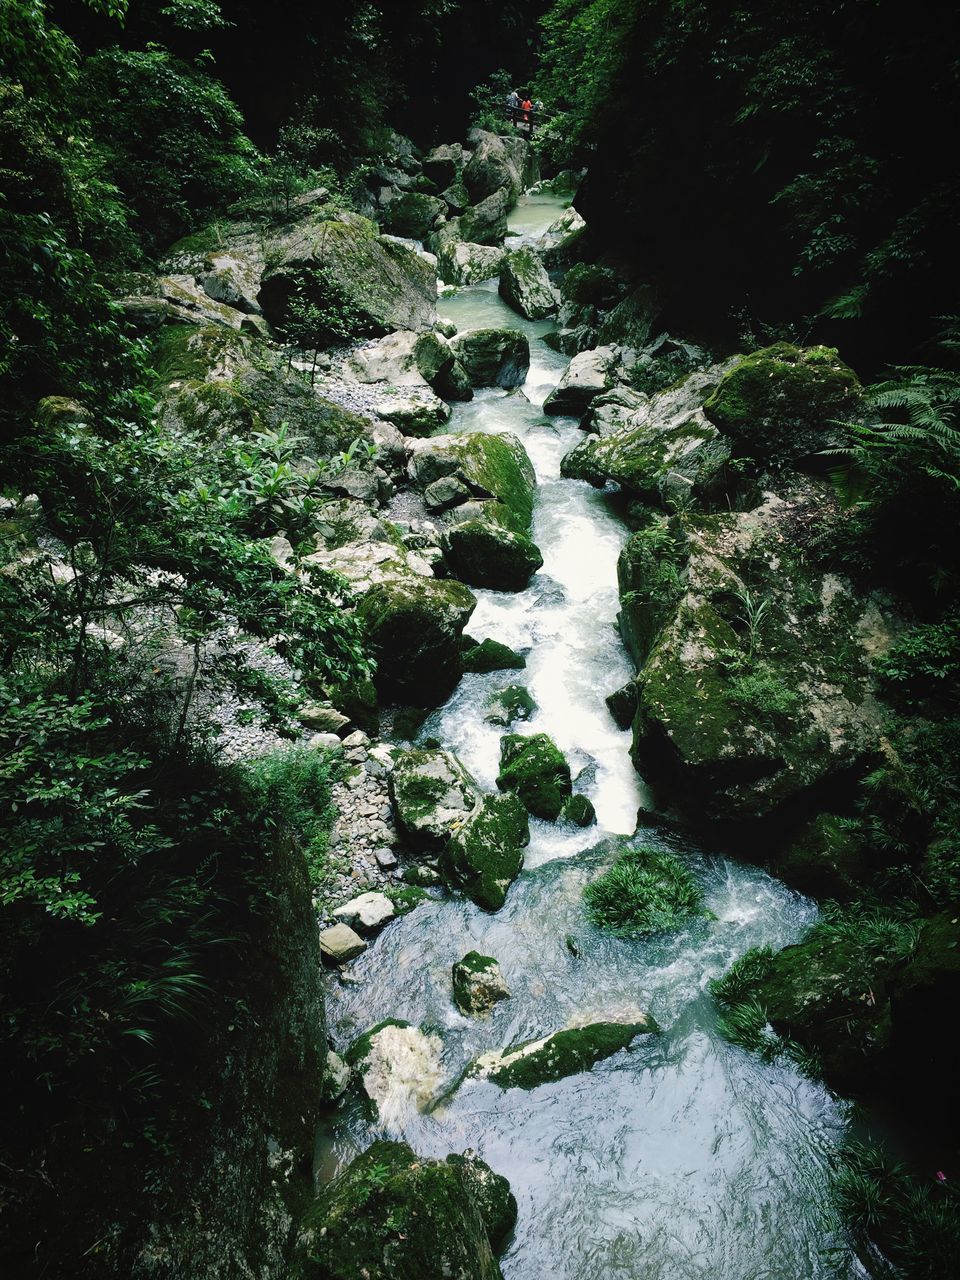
x=566, y=1053
x=493, y=357
x=525, y=285
x=781, y=401
x=495, y=165
x=650, y=571
x=491, y=466
x=587, y=375
x=412, y=214
x=395, y=1066
x=579, y=810
x=414, y=626
x=463, y=264
x=486, y=221
x=432, y=794
x=828, y=857
x=394, y=1216
x=478, y=984
x=623, y=704
x=485, y=855
x=486, y=555
x=491, y=655
x=536, y=769
x=509, y=705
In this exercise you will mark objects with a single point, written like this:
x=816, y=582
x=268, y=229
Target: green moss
x=510, y=704
x=566, y=1053
x=188, y=351
x=500, y=466
x=650, y=578
x=485, y=856
x=579, y=810
x=491, y=655
x=470, y=993
x=828, y=857
x=644, y=891
x=405, y=897
x=359, y=1051
x=535, y=768
x=484, y=555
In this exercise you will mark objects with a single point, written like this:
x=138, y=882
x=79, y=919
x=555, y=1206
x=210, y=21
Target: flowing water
x=685, y=1157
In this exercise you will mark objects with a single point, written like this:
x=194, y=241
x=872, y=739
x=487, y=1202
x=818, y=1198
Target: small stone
x=356, y=739
x=386, y=858
x=369, y=912
x=324, y=742
x=478, y=983
x=339, y=943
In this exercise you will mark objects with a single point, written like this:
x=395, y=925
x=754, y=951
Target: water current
x=685, y=1157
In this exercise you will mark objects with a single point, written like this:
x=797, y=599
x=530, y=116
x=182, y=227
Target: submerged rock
x=566, y=1053
x=525, y=285
x=536, y=769
x=478, y=984
x=485, y=855
x=485, y=555
x=493, y=357
x=394, y=1216
x=491, y=655
x=510, y=704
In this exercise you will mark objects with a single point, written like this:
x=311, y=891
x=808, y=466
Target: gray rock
x=339, y=943
x=496, y=165
x=232, y=280
x=462, y=263
x=587, y=375
x=525, y=285
x=367, y=913
x=493, y=357
x=478, y=984
x=446, y=492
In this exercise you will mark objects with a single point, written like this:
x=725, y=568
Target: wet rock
x=444, y=164
x=586, y=376
x=565, y=1053
x=412, y=214
x=432, y=795
x=496, y=165
x=339, y=944
x=491, y=655
x=579, y=810
x=478, y=984
x=395, y=1216
x=486, y=555
x=485, y=855
x=623, y=704
x=336, y=1077
x=396, y=1065
x=368, y=913
x=462, y=263
x=486, y=221
x=526, y=287
x=536, y=769
x=509, y=705
x=493, y=357
x=491, y=466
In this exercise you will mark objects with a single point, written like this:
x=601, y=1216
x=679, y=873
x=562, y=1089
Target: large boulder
x=585, y=377
x=444, y=164
x=757, y=687
x=486, y=222
x=493, y=467
x=394, y=1216
x=412, y=214
x=485, y=855
x=535, y=768
x=493, y=357
x=495, y=165
x=463, y=264
x=784, y=401
x=414, y=410
x=565, y=1053
x=432, y=796
x=414, y=626
x=525, y=285
x=484, y=554
x=233, y=280
x=395, y=1066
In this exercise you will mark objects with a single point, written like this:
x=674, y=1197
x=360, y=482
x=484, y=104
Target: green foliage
x=914, y=1221
x=321, y=312
x=925, y=662
x=644, y=891
x=489, y=101
x=288, y=792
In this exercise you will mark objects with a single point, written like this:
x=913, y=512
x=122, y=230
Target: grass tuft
x=645, y=891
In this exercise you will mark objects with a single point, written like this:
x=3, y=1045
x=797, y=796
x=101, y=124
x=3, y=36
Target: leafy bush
x=289, y=793
x=645, y=891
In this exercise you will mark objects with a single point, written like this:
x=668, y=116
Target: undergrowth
x=644, y=891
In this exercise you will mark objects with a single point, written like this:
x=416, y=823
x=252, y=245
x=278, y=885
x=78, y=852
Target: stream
x=685, y=1157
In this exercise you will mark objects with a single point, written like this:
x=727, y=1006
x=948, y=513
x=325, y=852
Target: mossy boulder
x=444, y=164
x=496, y=164
x=566, y=1053
x=509, y=705
x=491, y=655
x=622, y=704
x=413, y=626
x=463, y=264
x=485, y=855
x=432, y=795
x=535, y=768
x=493, y=357
x=827, y=857
x=525, y=285
x=585, y=377
x=650, y=571
x=579, y=810
x=412, y=214
x=783, y=401
x=478, y=984
x=395, y=1066
x=493, y=467
x=486, y=555
x=394, y=1216
x=486, y=221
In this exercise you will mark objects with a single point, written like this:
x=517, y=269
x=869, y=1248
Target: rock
x=586, y=376
x=322, y=718
x=147, y=314
x=615, y=410
x=485, y=854
x=525, y=285
x=579, y=810
x=183, y=292
x=232, y=280
x=782, y=401
x=456, y=198
x=461, y=263
x=412, y=215
x=446, y=492
x=394, y=1216
x=493, y=357
x=631, y=321
x=485, y=555
x=509, y=705
x=495, y=165
x=491, y=466
x=623, y=704
x=336, y=1077
x=339, y=943
x=535, y=768
x=486, y=222
x=827, y=858
x=396, y=1066
x=565, y=1053
x=324, y=742
x=386, y=858
x=491, y=655
x=413, y=627
x=417, y=411
x=741, y=716
x=369, y=912
x=432, y=795
x=478, y=984
x=444, y=164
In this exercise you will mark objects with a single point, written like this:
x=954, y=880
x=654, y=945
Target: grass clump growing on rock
x=644, y=891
